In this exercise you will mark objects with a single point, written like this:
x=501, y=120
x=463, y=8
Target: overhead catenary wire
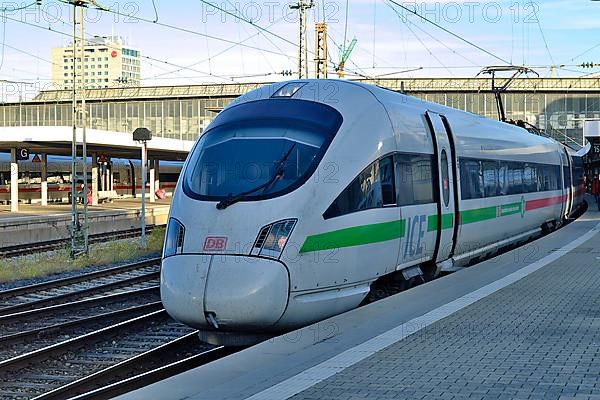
x=3, y=43
x=190, y=31
x=346, y=25
x=186, y=30
x=241, y=17
x=164, y=62
x=6, y=9
x=212, y=36
x=400, y=70
x=31, y=54
x=594, y=47
x=449, y=32
x=537, y=20
x=220, y=52
x=374, y=29
x=418, y=38
x=407, y=21
x=431, y=53
x=141, y=56
x=330, y=34
x=259, y=30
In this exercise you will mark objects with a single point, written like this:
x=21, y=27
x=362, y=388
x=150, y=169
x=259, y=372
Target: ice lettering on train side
x=415, y=232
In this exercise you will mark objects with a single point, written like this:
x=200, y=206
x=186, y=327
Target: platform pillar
x=94, y=179
x=14, y=181
x=44, y=179
x=152, y=180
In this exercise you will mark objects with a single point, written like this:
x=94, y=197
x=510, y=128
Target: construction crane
x=345, y=56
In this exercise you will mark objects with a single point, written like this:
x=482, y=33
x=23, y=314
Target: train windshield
x=250, y=144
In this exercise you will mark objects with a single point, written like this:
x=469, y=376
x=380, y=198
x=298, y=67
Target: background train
x=124, y=172
x=301, y=195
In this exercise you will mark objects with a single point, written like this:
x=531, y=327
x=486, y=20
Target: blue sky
x=391, y=41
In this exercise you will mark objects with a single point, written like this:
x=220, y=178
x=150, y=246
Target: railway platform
x=36, y=223
x=523, y=325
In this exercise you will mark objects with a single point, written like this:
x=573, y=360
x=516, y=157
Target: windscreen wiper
x=279, y=172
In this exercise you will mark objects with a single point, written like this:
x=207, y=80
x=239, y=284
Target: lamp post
x=143, y=135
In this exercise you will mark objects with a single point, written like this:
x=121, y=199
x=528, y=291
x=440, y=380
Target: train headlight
x=272, y=238
x=174, y=238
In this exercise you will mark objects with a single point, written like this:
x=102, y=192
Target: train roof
x=477, y=135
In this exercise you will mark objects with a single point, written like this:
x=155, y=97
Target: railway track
x=31, y=330
x=138, y=275
x=40, y=247
x=94, y=335
x=108, y=360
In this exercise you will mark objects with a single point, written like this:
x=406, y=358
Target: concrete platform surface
x=524, y=325
x=36, y=223
x=28, y=210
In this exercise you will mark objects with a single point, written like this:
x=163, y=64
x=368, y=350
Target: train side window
x=445, y=181
x=545, y=184
x=471, y=179
x=534, y=179
x=423, y=179
x=388, y=184
x=490, y=179
x=567, y=177
x=515, y=178
x=503, y=179
x=415, y=180
x=362, y=194
x=557, y=180
x=529, y=179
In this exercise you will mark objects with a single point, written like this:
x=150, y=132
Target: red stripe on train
x=541, y=203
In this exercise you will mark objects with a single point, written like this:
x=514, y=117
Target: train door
x=568, y=188
x=447, y=187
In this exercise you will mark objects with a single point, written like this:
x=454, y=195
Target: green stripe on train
x=478, y=215
x=375, y=233
x=447, y=222
x=355, y=236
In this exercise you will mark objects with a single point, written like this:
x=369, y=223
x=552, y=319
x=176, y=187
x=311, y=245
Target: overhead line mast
x=79, y=228
x=79, y=218
x=302, y=6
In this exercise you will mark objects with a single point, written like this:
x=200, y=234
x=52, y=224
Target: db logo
x=212, y=243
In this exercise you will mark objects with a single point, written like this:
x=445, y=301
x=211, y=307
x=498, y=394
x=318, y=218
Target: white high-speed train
x=302, y=194
x=124, y=172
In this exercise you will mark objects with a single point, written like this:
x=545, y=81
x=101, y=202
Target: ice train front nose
x=226, y=291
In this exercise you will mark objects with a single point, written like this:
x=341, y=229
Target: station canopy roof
x=56, y=140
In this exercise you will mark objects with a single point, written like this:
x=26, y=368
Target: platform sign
x=594, y=153
x=36, y=159
x=22, y=154
x=102, y=158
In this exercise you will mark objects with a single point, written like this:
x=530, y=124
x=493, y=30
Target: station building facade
x=557, y=105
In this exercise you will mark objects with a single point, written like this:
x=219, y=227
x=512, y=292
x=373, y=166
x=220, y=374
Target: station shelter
x=36, y=143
